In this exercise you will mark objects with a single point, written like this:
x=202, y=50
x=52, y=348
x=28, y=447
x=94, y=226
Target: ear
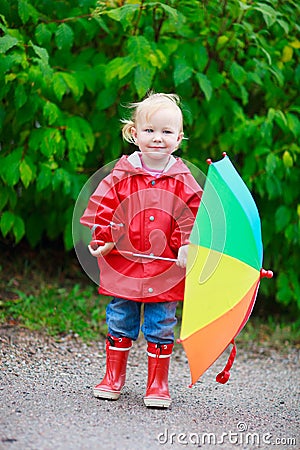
x=134, y=134
x=179, y=138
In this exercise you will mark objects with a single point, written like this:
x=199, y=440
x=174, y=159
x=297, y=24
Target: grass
x=57, y=311
x=47, y=291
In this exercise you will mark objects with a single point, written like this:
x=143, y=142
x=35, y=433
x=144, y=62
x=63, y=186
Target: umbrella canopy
x=223, y=270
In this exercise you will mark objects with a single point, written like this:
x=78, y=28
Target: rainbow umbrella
x=223, y=270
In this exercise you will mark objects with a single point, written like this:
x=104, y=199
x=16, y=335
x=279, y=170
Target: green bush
x=67, y=67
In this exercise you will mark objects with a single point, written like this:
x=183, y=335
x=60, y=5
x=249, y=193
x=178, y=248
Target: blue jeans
x=123, y=318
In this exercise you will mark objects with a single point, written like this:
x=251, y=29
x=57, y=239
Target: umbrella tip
x=266, y=273
x=209, y=161
x=224, y=154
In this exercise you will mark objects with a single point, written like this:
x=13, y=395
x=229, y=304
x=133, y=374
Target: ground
x=47, y=401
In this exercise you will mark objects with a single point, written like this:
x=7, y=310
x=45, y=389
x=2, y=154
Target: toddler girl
x=146, y=205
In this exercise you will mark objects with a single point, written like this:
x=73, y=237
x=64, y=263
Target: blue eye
x=148, y=130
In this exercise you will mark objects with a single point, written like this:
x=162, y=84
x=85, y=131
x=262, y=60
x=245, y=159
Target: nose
x=157, y=137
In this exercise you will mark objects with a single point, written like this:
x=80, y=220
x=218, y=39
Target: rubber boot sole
x=152, y=402
x=107, y=395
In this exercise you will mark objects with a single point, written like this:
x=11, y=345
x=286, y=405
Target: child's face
x=160, y=134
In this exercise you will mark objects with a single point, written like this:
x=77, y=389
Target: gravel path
x=47, y=402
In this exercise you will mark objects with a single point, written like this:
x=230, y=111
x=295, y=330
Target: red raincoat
x=143, y=214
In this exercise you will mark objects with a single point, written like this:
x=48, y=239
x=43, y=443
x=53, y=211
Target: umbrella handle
x=96, y=243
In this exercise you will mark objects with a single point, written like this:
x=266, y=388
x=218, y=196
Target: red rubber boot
x=157, y=393
x=117, y=350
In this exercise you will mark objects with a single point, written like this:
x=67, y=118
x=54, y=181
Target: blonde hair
x=148, y=106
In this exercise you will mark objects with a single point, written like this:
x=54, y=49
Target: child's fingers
x=97, y=250
x=96, y=243
x=94, y=251
x=181, y=262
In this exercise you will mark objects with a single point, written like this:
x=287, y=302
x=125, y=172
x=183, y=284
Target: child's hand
x=102, y=249
x=182, y=256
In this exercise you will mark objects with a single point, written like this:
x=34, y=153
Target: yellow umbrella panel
x=212, y=317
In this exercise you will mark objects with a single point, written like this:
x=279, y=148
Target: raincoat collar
x=132, y=163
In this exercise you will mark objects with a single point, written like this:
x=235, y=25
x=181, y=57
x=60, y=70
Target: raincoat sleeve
x=103, y=214
x=185, y=217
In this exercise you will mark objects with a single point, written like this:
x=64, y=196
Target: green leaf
x=124, y=14
x=182, y=72
x=4, y=196
x=18, y=228
x=74, y=83
x=120, y=67
x=61, y=178
x=64, y=37
x=35, y=139
x=51, y=112
x=140, y=47
x=52, y=143
x=106, y=98
x=157, y=58
x=238, y=73
x=60, y=87
x=284, y=25
x=20, y=96
x=26, y=10
x=10, y=167
x=23, y=11
x=244, y=94
x=269, y=13
x=260, y=150
x=205, y=85
x=7, y=42
x=255, y=78
x=26, y=172
x=271, y=163
x=79, y=134
x=43, y=34
x=293, y=124
x=287, y=159
x=44, y=178
x=274, y=187
x=172, y=12
x=6, y=222
x=77, y=147
x=40, y=52
x=6, y=62
x=282, y=218
x=143, y=77
x=266, y=130
x=284, y=289
x=278, y=75
x=102, y=24
x=200, y=56
x=87, y=132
